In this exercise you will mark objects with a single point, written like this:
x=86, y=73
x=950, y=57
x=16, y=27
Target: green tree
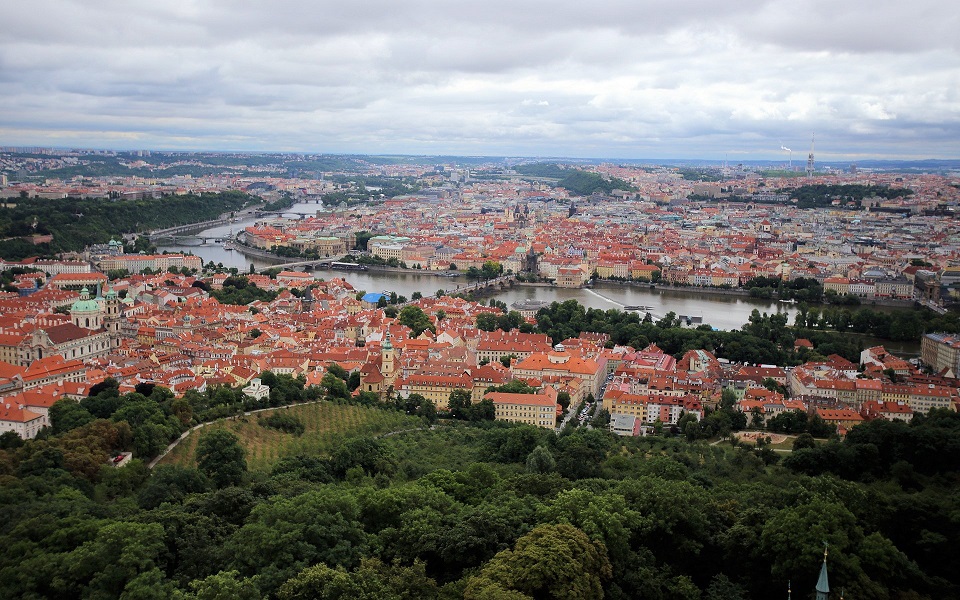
x=552, y=561
x=804, y=440
x=284, y=535
x=721, y=588
x=540, y=461
x=221, y=458
x=67, y=414
x=794, y=537
x=601, y=419
x=459, y=404
x=487, y=322
x=364, y=453
x=171, y=483
x=491, y=269
x=225, y=585
x=182, y=410
x=320, y=582
x=484, y=410
x=372, y=580
x=121, y=557
x=334, y=388
x=9, y=440
x=413, y=317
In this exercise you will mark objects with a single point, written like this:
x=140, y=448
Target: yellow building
x=533, y=409
x=643, y=272
x=436, y=388
x=622, y=403
x=570, y=277
x=840, y=285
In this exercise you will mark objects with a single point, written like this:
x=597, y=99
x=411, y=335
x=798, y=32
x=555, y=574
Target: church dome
x=85, y=303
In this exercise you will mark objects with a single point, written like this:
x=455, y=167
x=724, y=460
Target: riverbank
x=726, y=310
x=659, y=287
x=744, y=293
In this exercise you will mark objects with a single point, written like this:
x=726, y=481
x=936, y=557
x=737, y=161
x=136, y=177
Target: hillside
x=326, y=424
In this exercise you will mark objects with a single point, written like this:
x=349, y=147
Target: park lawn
x=786, y=444
x=325, y=425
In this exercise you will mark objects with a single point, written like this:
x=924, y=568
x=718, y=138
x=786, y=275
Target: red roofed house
x=560, y=363
x=843, y=418
x=14, y=417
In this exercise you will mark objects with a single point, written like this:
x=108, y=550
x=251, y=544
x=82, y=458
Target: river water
x=721, y=311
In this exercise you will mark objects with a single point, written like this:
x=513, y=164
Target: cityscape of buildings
x=445, y=300
x=67, y=327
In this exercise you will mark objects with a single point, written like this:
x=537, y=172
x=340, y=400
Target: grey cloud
x=618, y=77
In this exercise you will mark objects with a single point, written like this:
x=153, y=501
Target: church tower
x=111, y=319
x=306, y=302
x=387, y=358
x=823, y=586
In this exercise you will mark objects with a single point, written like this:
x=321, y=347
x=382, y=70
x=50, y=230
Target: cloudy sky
x=620, y=79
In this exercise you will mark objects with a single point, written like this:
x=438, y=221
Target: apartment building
x=539, y=409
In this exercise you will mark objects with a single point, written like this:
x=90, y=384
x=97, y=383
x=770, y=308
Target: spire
x=823, y=586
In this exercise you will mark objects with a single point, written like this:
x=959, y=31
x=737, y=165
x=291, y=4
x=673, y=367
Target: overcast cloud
x=624, y=79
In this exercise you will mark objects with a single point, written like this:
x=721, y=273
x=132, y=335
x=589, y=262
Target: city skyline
x=625, y=80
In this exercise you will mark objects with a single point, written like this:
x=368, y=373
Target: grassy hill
x=325, y=424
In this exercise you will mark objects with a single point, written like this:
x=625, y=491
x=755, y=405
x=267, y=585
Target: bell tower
x=387, y=357
x=111, y=318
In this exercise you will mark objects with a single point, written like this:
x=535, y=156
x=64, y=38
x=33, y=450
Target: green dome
x=85, y=304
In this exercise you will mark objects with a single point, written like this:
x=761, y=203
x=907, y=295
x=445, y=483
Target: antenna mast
x=810, y=156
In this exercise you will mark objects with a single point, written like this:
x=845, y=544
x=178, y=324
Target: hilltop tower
x=810, y=163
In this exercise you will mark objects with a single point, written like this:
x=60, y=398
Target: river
x=724, y=312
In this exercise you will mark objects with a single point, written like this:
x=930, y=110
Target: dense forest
x=464, y=510
x=576, y=181
x=583, y=183
x=76, y=223
x=690, y=174
x=239, y=291
x=165, y=164
x=824, y=195
x=552, y=170
x=821, y=195
x=765, y=338
x=388, y=186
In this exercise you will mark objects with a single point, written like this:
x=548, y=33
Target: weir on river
x=722, y=312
